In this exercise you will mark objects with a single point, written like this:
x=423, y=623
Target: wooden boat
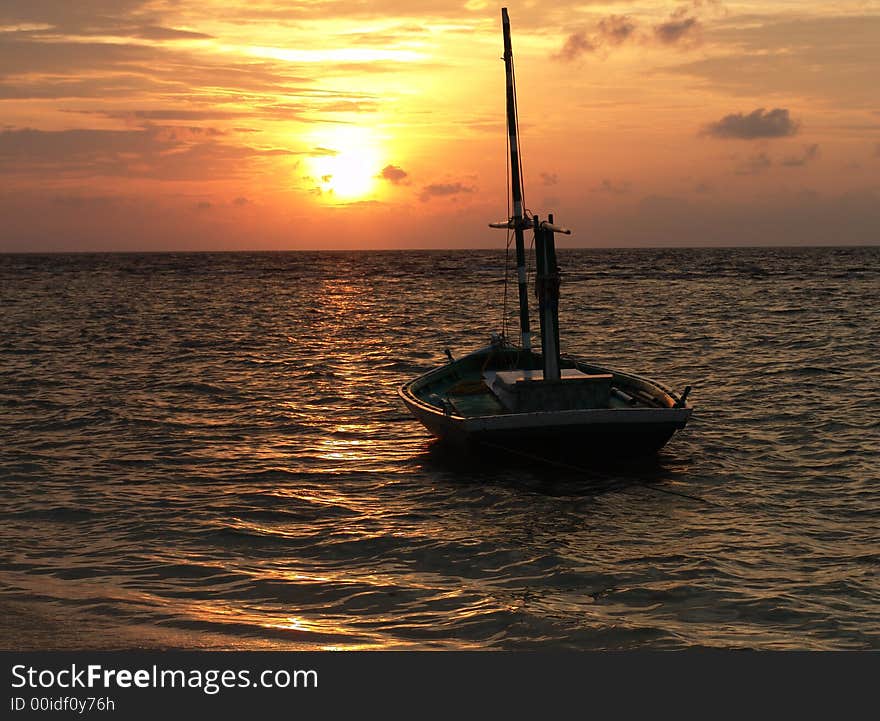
x=509, y=396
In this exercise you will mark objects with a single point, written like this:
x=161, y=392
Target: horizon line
x=426, y=250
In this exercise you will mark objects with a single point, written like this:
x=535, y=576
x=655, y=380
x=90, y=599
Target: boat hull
x=621, y=432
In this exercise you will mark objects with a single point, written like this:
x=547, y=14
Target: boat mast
x=516, y=187
x=547, y=289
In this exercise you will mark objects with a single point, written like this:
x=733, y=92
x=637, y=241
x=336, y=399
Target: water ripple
x=206, y=451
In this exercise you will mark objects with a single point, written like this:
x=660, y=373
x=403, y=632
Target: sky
x=270, y=124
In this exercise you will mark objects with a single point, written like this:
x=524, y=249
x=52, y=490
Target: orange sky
x=162, y=125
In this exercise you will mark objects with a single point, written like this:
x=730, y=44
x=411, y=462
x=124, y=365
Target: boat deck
x=468, y=387
x=482, y=404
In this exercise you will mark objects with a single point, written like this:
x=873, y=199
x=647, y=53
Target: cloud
x=85, y=201
x=549, y=179
x=47, y=88
x=616, y=29
x=157, y=32
x=834, y=58
x=615, y=188
x=173, y=71
x=677, y=28
x=61, y=146
x=56, y=57
x=318, y=151
x=755, y=164
x=160, y=152
x=393, y=174
x=776, y=123
x=240, y=201
x=176, y=114
x=575, y=45
x=684, y=26
x=68, y=16
x=436, y=190
x=811, y=152
x=611, y=31
x=784, y=217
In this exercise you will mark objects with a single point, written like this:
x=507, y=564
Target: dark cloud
x=116, y=28
x=58, y=57
x=105, y=86
x=810, y=152
x=608, y=32
x=204, y=205
x=615, y=188
x=436, y=190
x=160, y=152
x=70, y=16
x=683, y=26
x=616, y=29
x=676, y=29
x=549, y=179
x=240, y=201
x=755, y=164
x=177, y=114
x=393, y=174
x=157, y=32
x=574, y=46
x=776, y=123
x=64, y=146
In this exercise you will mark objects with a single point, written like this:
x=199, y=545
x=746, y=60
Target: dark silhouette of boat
x=510, y=396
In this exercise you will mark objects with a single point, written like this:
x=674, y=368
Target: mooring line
x=605, y=476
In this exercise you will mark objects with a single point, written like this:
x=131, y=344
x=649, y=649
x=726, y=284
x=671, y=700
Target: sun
x=345, y=163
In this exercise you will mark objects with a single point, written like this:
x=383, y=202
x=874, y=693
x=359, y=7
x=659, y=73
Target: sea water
x=207, y=451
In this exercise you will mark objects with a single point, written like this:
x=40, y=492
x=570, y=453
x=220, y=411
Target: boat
x=508, y=395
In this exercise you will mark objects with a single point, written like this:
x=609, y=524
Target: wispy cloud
x=618, y=187
x=160, y=152
x=439, y=190
x=810, y=152
x=754, y=165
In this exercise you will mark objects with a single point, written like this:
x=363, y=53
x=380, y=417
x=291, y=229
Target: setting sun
x=346, y=163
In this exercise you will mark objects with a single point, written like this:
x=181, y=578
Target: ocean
x=206, y=451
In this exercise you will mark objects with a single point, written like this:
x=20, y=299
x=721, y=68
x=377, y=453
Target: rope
x=522, y=189
x=506, y=277
x=509, y=236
